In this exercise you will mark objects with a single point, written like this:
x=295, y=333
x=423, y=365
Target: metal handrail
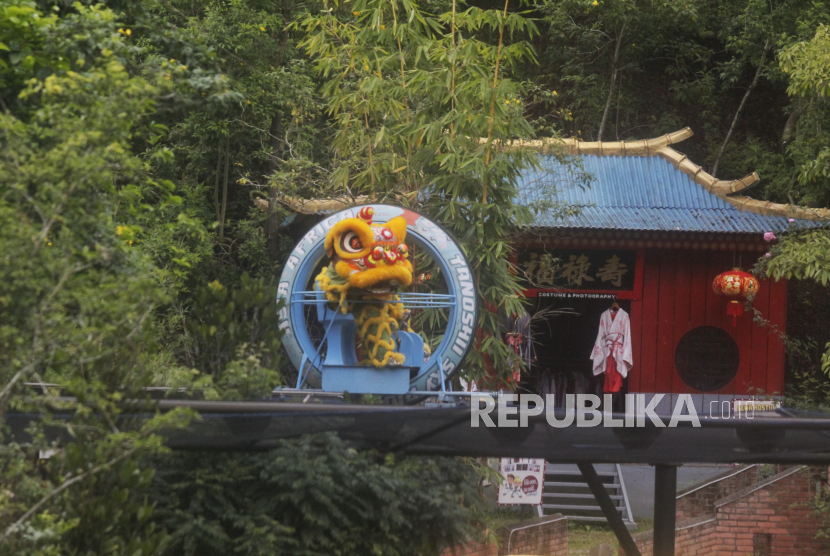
x=624, y=493
x=410, y=299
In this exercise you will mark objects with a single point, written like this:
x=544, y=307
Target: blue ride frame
x=340, y=371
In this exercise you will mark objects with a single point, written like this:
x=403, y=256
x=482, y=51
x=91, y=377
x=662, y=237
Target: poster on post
x=524, y=479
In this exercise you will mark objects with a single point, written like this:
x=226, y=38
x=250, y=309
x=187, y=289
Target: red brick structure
x=544, y=536
x=472, y=548
x=770, y=518
x=699, y=500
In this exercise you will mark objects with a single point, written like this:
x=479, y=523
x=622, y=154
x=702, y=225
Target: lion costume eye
x=350, y=243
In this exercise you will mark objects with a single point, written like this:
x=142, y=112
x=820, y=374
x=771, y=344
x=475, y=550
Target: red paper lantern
x=739, y=286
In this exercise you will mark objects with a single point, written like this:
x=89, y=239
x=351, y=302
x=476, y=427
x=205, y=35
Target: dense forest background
x=147, y=151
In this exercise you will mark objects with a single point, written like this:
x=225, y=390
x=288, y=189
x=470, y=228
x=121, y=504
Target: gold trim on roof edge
x=315, y=206
x=573, y=146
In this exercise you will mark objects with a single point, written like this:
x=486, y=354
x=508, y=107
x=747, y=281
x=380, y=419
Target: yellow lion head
x=371, y=257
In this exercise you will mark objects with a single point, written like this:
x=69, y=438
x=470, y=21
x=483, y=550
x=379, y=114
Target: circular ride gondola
x=349, y=291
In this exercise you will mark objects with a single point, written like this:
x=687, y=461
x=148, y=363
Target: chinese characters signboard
x=524, y=480
x=578, y=269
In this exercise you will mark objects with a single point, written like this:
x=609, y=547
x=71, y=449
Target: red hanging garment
x=613, y=378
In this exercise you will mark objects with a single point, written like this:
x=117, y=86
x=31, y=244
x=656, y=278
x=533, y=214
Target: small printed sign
x=750, y=407
x=524, y=480
x=577, y=295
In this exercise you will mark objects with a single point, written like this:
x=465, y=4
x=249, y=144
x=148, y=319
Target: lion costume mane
x=370, y=263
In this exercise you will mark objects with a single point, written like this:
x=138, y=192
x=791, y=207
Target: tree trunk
x=613, y=82
x=617, y=122
x=218, y=176
x=272, y=239
x=740, y=108
x=792, y=121
x=224, y=206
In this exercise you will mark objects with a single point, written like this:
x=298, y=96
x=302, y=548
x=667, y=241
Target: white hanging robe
x=614, y=338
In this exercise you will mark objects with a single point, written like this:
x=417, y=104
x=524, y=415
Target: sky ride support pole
x=610, y=510
x=665, y=507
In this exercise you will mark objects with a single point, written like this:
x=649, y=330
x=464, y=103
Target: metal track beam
x=611, y=511
x=665, y=506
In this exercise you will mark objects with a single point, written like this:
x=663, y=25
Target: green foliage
x=593, y=53
x=236, y=337
x=144, y=149
x=808, y=65
x=805, y=63
x=424, y=112
x=803, y=256
x=250, y=108
x=312, y=497
x=77, y=295
x=641, y=69
x=22, y=34
x=71, y=281
x=126, y=183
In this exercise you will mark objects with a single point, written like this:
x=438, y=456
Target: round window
x=707, y=358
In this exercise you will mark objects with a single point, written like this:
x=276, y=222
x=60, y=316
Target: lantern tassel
x=735, y=309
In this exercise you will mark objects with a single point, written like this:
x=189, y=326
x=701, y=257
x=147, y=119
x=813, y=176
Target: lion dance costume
x=369, y=262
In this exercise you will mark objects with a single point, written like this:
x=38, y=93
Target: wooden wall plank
x=682, y=312
x=760, y=342
x=637, y=324
x=700, y=288
x=714, y=310
x=744, y=339
x=665, y=321
x=721, y=261
x=648, y=342
x=777, y=316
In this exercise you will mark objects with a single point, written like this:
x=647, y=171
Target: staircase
x=566, y=492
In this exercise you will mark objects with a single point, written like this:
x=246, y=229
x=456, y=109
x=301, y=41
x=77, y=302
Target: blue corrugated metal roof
x=636, y=193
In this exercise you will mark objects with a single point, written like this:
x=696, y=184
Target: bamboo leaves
x=425, y=88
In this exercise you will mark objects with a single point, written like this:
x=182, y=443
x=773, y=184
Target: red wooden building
x=652, y=230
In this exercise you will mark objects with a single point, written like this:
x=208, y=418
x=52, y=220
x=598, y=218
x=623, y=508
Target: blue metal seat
x=340, y=335
x=412, y=346
x=341, y=371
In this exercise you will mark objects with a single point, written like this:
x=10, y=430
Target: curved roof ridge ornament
x=322, y=206
x=733, y=186
x=777, y=209
x=721, y=188
x=574, y=146
x=725, y=189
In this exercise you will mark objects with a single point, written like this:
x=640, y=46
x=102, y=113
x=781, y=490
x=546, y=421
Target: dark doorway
x=564, y=337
